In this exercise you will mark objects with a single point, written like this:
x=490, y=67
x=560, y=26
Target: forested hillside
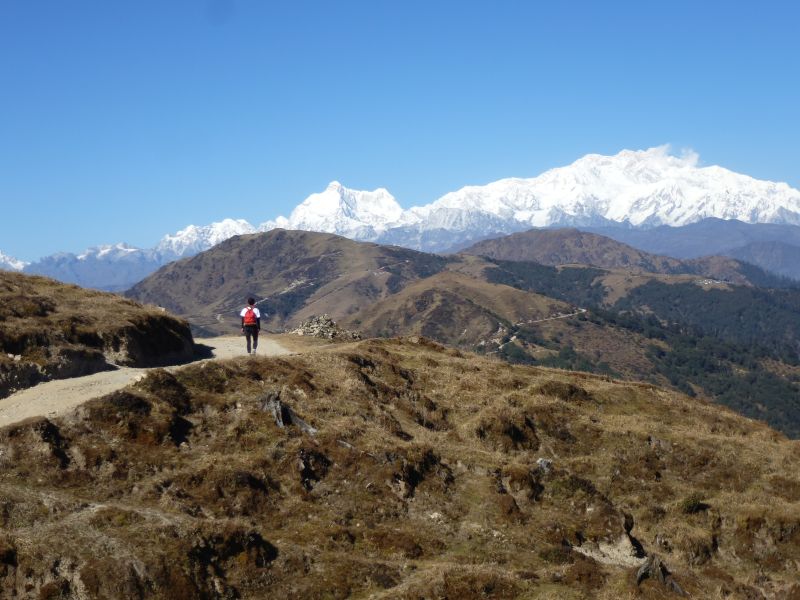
x=738, y=344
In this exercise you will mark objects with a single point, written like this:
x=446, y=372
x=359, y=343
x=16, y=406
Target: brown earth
x=431, y=474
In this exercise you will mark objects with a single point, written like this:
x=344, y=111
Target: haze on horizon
x=125, y=122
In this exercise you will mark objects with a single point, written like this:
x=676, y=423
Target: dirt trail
x=54, y=398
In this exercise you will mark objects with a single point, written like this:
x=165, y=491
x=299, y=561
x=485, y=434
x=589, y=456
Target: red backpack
x=250, y=316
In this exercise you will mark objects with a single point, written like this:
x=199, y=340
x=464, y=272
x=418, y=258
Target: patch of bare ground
x=403, y=469
x=791, y=372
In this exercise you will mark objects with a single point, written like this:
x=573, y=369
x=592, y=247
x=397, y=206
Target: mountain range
x=117, y=267
x=629, y=192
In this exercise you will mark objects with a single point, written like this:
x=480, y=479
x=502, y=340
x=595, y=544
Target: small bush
x=692, y=504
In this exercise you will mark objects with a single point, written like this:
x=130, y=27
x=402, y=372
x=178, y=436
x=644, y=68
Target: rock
x=283, y=413
x=545, y=465
x=325, y=327
x=655, y=568
x=621, y=551
x=19, y=375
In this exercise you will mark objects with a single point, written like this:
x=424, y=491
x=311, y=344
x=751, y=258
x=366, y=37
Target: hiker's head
x=251, y=301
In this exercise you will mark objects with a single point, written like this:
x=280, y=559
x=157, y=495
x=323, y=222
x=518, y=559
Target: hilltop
x=51, y=330
x=403, y=470
x=292, y=274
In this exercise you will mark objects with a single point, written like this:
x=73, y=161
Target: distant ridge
x=780, y=258
x=770, y=246
x=567, y=246
x=571, y=246
x=702, y=238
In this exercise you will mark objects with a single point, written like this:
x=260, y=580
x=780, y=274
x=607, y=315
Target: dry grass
x=453, y=308
x=422, y=482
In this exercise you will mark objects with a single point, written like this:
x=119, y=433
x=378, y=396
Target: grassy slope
x=421, y=482
x=454, y=308
x=291, y=273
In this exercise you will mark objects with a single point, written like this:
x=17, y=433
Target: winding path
x=54, y=398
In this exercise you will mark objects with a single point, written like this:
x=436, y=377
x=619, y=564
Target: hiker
x=251, y=323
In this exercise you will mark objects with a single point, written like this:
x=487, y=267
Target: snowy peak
x=352, y=213
x=108, y=252
x=9, y=263
x=194, y=239
x=638, y=187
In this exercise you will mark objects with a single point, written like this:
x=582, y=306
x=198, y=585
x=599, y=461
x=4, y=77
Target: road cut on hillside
x=54, y=398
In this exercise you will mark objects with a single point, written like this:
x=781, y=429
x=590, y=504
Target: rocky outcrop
x=156, y=340
x=325, y=327
x=50, y=331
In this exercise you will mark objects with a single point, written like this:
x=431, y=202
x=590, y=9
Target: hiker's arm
x=258, y=322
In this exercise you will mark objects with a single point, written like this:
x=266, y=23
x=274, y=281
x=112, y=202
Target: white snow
x=194, y=239
x=108, y=251
x=351, y=213
x=641, y=187
x=9, y=263
x=647, y=187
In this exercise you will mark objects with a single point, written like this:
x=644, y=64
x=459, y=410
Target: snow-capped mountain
x=350, y=213
x=117, y=267
x=638, y=189
x=643, y=188
x=115, y=252
x=194, y=239
x=111, y=267
x=9, y=263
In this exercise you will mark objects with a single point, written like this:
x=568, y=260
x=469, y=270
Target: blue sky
x=123, y=121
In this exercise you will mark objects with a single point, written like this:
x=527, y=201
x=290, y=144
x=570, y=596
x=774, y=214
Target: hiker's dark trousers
x=251, y=331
